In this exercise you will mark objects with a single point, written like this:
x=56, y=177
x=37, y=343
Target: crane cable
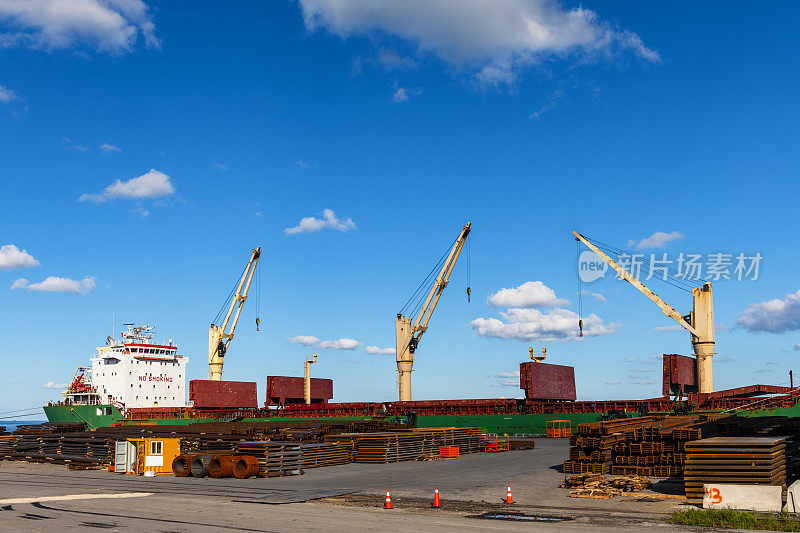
x=229, y=299
x=258, y=295
x=580, y=288
x=469, y=270
x=417, y=299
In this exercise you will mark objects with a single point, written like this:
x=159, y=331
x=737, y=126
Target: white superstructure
x=132, y=372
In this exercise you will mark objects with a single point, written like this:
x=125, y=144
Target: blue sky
x=530, y=120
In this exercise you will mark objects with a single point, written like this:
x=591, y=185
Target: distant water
x=11, y=426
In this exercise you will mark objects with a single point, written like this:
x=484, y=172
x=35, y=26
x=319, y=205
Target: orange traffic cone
x=509, y=499
x=436, y=502
x=388, y=504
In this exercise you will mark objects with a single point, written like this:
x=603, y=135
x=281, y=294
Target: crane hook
x=469, y=293
x=258, y=322
x=580, y=327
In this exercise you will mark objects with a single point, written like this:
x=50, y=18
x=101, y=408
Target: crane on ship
x=699, y=323
x=220, y=336
x=409, y=329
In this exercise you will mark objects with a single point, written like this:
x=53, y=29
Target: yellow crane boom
x=407, y=335
x=700, y=323
x=218, y=338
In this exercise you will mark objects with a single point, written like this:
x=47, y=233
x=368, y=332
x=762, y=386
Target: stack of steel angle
x=737, y=460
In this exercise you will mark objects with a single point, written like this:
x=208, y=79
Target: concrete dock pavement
x=341, y=498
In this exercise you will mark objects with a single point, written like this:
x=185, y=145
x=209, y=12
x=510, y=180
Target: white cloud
x=12, y=258
x=612, y=382
x=762, y=371
x=658, y=239
x=534, y=325
x=676, y=327
x=141, y=211
x=57, y=284
x=153, y=184
x=341, y=344
x=54, y=385
x=636, y=381
x=329, y=220
x=797, y=346
x=553, y=101
x=594, y=295
x=305, y=340
x=529, y=294
x=7, y=95
x=106, y=25
x=374, y=350
x=629, y=360
x=302, y=164
x=108, y=148
x=390, y=60
x=402, y=94
x=496, y=39
x=724, y=359
x=774, y=316
x=508, y=382
x=220, y=167
x=512, y=374
x=642, y=370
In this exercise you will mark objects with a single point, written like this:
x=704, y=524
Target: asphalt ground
x=44, y=497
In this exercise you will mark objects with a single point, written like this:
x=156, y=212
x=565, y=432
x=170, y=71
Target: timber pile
x=599, y=486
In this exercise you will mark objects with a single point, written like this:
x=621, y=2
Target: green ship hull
x=95, y=416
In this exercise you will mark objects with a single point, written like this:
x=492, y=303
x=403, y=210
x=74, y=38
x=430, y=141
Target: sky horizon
x=145, y=149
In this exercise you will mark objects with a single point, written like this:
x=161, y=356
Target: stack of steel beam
x=275, y=458
x=739, y=460
x=327, y=454
x=592, y=448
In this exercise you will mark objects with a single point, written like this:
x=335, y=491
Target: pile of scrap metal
x=599, y=486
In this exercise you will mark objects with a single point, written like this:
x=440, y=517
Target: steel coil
x=246, y=466
x=200, y=465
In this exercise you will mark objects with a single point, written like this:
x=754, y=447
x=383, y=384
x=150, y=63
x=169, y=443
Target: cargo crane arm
x=627, y=276
x=700, y=321
x=219, y=337
x=409, y=330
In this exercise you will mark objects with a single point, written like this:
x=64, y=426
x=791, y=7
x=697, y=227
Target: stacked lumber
x=739, y=460
x=599, y=486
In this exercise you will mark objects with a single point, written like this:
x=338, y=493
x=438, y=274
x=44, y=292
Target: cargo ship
x=135, y=380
